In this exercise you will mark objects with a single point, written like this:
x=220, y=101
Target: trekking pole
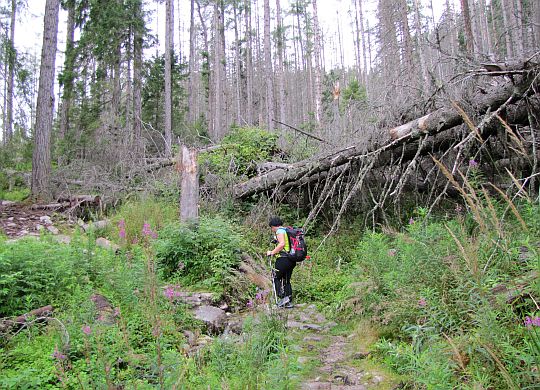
x=272, y=275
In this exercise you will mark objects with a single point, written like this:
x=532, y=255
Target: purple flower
x=116, y=312
x=146, y=230
x=249, y=304
x=530, y=322
x=422, y=302
x=169, y=292
x=87, y=330
x=58, y=355
x=473, y=164
x=121, y=224
x=411, y=221
x=122, y=233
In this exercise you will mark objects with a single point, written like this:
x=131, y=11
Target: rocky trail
x=338, y=359
x=329, y=356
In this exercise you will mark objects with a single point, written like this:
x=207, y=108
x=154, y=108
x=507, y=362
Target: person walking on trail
x=283, y=265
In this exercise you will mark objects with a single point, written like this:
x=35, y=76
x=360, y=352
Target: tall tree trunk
x=8, y=124
x=269, y=73
x=362, y=36
x=68, y=72
x=407, y=41
x=237, y=68
x=216, y=78
x=280, y=43
x=517, y=27
x=41, y=158
x=207, y=76
x=137, y=85
x=420, y=49
x=169, y=52
x=191, y=66
x=317, y=63
x=507, y=27
x=485, y=28
x=469, y=38
x=249, y=63
x=536, y=23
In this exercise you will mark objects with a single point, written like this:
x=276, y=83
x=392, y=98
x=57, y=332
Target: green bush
x=204, y=253
x=241, y=149
x=35, y=273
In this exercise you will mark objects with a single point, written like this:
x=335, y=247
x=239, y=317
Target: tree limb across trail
x=428, y=126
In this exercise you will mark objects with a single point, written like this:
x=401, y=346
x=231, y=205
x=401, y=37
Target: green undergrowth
x=454, y=298
x=447, y=302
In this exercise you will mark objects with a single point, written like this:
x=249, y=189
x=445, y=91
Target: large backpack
x=297, y=244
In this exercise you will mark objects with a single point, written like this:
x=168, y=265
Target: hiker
x=283, y=266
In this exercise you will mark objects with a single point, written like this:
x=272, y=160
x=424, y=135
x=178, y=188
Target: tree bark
x=41, y=158
x=192, y=40
x=280, y=43
x=269, y=73
x=138, y=148
x=8, y=125
x=189, y=192
x=169, y=53
x=318, y=66
x=68, y=71
x=469, y=38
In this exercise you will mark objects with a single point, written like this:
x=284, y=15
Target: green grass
x=15, y=195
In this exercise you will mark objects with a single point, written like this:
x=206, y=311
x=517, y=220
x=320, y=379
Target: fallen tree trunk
x=429, y=125
x=11, y=325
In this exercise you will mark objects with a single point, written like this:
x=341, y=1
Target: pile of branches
x=495, y=130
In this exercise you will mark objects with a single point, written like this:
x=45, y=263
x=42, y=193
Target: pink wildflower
x=116, y=312
x=58, y=355
x=172, y=292
x=169, y=292
x=87, y=330
x=122, y=233
x=411, y=221
x=121, y=224
x=473, y=164
x=530, y=322
x=249, y=304
x=422, y=302
x=146, y=230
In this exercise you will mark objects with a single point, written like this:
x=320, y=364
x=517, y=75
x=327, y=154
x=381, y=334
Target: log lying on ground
x=431, y=124
x=14, y=324
x=71, y=203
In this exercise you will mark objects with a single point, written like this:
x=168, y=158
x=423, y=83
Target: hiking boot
x=288, y=305
x=283, y=301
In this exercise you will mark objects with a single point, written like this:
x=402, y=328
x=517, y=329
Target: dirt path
x=333, y=359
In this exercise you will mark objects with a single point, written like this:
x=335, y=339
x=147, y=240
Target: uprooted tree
x=500, y=129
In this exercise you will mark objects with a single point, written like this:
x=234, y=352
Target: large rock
x=194, y=299
x=104, y=243
x=212, y=316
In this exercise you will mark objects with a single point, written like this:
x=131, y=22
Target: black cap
x=275, y=221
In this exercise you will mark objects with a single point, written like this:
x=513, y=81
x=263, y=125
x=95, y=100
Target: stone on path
x=214, y=317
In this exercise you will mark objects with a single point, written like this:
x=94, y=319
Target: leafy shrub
x=241, y=149
x=35, y=273
x=204, y=253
